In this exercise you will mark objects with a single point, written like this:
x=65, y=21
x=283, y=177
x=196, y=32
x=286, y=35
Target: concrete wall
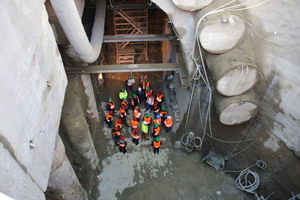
x=32, y=86
x=278, y=60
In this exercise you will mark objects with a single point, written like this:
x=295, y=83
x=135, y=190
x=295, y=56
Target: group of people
x=140, y=125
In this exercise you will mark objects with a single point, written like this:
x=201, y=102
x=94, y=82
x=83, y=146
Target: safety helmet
x=136, y=130
x=169, y=117
x=155, y=125
x=109, y=98
x=130, y=77
x=148, y=88
x=139, y=89
x=124, y=99
x=116, y=128
x=157, y=139
x=159, y=92
x=144, y=122
x=163, y=108
x=137, y=107
x=121, y=137
x=122, y=90
x=157, y=116
x=111, y=112
x=119, y=120
x=147, y=115
x=134, y=118
x=146, y=80
x=134, y=95
x=123, y=107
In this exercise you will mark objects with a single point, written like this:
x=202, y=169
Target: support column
x=77, y=129
x=63, y=182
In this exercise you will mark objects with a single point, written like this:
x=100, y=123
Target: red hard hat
x=121, y=137
x=119, y=120
x=134, y=118
x=136, y=130
x=111, y=112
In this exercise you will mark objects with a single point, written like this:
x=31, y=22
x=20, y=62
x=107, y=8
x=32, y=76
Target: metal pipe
x=70, y=21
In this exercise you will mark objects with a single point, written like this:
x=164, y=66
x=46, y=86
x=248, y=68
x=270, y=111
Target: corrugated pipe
x=67, y=14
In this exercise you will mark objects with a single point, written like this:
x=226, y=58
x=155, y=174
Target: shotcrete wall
x=32, y=85
x=275, y=29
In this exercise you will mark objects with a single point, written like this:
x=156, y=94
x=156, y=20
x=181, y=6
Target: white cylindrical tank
x=191, y=5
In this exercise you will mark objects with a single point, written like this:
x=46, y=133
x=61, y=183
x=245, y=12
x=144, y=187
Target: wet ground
x=140, y=174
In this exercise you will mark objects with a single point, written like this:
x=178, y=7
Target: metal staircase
x=130, y=22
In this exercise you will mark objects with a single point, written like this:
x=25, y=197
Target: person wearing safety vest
x=135, y=100
x=109, y=118
x=145, y=130
x=157, y=120
x=145, y=84
x=135, y=136
x=163, y=114
x=116, y=134
x=159, y=98
x=149, y=103
x=156, y=130
x=123, y=94
x=129, y=82
x=125, y=103
x=137, y=113
x=147, y=119
x=122, y=144
x=168, y=123
x=148, y=92
x=123, y=115
x=143, y=77
x=156, y=143
x=119, y=123
x=134, y=123
x=110, y=106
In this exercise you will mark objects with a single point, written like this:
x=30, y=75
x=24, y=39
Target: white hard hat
x=144, y=122
x=139, y=89
x=169, y=117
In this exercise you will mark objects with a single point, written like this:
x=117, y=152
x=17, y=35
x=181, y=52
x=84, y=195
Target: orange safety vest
x=137, y=113
x=124, y=103
x=159, y=98
x=168, y=122
x=123, y=113
x=135, y=136
x=118, y=124
x=147, y=120
x=109, y=117
x=156, y=108
x=149, y=92
x=111, y=104
x=156, y=144
x=134, y=123
x=156, y=131
x=116, y=133
x=157, y=121
x=163, y=114
x=122, y=143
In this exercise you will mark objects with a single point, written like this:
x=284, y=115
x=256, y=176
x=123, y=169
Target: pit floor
x=140, y=174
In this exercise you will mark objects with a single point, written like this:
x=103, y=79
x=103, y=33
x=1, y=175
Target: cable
x=247, y=181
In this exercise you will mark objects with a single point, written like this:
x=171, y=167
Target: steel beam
x=131, y=6
x=136, y=38
x=124, y=68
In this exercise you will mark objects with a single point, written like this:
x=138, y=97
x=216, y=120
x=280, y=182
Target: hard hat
x=137, y=107
x=139, y=89
x=119, y=120
x=157, y=116
x=109, y=98
x=169, y=117
x=134, y=118
x=116, y=128
x=147, y=115
x=144, y=122
x=122, y=90
x=148, y=88
x=134, y=95
x=111, y=112
x=124, y=99
x=121, y=137
x=155, y=125
x=156, y=139
x=136, y=130
x=163, y=108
